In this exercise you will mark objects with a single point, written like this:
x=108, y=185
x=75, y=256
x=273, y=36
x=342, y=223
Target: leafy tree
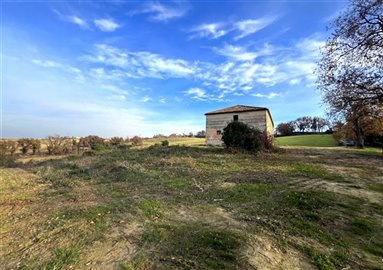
x=285, y=129
x=350, y=73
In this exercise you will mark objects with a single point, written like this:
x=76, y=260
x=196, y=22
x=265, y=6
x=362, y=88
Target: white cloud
x=53, y=64
x=77, y=20
x=243, y=70
x=146, y=99
x=238, y=53
x=140, y=64
x=196, y=93
x=82, y=23
x=162, y=100
x=161, y=12
x=210, y=30
x=116, y=97
x=106, y=25
x=271, y=95
x=248, y=27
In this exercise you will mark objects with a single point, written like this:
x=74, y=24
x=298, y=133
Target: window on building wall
x=219, y=132
x=235, y=117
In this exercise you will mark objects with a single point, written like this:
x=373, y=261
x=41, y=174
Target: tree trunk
x=359, y=134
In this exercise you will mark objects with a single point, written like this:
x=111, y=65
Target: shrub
x=8, y=147
x=136, y=141
x=36, y=146
x=92, y=141
x=116, y=141
x=241, y=136
x=25, y=144
x=6, y=158
x=57, y=145
x=165, y=143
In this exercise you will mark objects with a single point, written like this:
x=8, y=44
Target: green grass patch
x=314, y=171
x=316, y=140
x=326, y=261
x=377, y=187
x=150, y=209
x=194, y=246
x=61, y=257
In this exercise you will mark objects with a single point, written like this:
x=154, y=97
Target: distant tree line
x=305, y=124
x=199, y=134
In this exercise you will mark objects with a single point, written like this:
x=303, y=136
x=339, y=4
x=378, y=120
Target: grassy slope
x=325, y=140
x=193, y=208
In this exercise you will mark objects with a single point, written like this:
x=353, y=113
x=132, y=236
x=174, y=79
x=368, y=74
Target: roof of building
x=240, y=108
x=237, y=108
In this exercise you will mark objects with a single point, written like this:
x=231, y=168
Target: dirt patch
x=263, y=254
x=215, y=216
x=117, y=249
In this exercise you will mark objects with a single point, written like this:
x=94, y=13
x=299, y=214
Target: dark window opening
x=235, y=117
x=219, y=132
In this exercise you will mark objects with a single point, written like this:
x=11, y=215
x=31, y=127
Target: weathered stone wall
x=217, y=122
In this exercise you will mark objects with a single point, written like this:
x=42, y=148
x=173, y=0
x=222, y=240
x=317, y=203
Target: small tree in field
x=24, y=144
x=36, y=146
x=241, y=136
x=285, y=129
x=136, y=141
x=116, y=141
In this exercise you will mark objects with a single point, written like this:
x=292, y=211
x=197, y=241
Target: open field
x=316, y=140
x=194, y=208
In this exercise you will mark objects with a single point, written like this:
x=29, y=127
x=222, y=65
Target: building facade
x=256, y=117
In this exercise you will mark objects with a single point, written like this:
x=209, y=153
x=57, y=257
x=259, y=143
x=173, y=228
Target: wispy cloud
x=106, y=25
x=139, y=64
x=210, y=30
x=248, y=27
x=146, y=99
x=241, y=72
x=161, y=12
x=244, y=28
x=53, y=64
x=270, y=95
x=77, y=20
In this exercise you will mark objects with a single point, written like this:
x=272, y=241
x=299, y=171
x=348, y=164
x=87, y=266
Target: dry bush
x=57, y=145
x=116, y=141
x=25, y=144
x=36, y=146
x=92, y=141
x=136, y=141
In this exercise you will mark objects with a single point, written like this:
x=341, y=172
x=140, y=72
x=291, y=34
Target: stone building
x=216, y=121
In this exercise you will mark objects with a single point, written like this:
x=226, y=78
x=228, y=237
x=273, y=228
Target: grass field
x=194, y=208
x=325, y=140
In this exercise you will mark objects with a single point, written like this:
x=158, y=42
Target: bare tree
x=350, y=73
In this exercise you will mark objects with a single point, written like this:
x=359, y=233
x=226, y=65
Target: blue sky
x=124, y=68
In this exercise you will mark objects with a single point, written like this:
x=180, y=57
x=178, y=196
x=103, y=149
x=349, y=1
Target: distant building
x=216, y=121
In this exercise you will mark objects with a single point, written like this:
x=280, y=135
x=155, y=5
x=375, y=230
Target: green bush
x=165, y=143
x=241, y=136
